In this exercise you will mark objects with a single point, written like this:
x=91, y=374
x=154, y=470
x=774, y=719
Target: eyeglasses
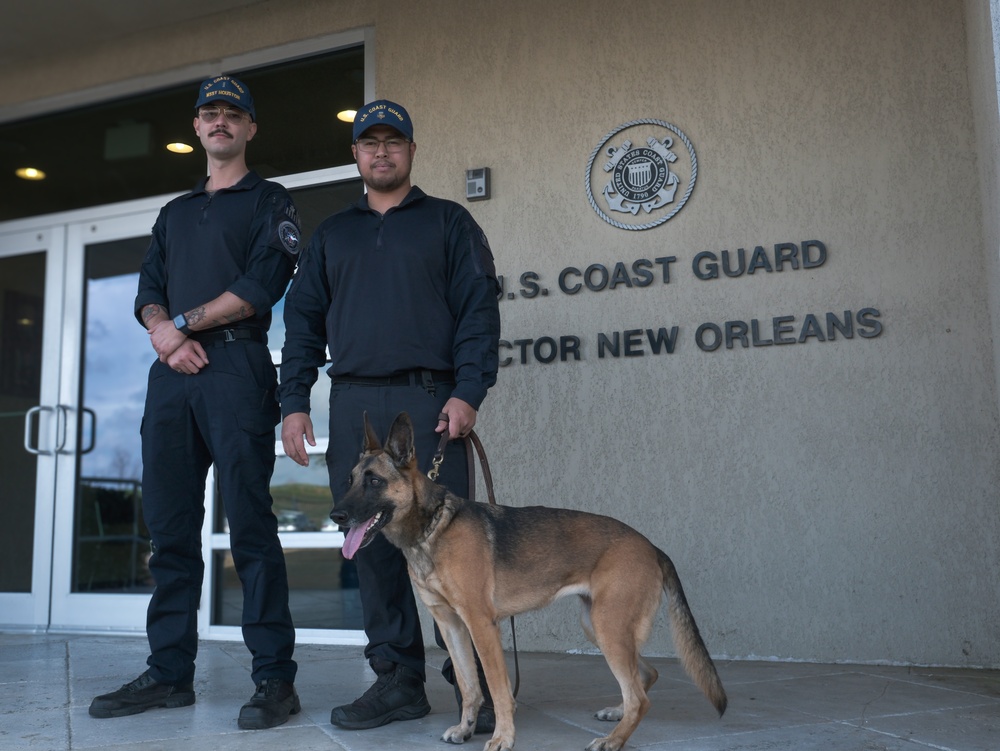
x=211, y=114
x=392, y=145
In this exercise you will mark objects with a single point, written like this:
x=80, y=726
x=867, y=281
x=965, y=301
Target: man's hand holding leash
x=461, y=419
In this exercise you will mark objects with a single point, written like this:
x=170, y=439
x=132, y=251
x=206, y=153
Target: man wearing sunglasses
x=220, y=257
x=402, y=288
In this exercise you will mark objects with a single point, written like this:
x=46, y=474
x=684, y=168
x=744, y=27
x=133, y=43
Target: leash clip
x=439, y=454
x=433, y=474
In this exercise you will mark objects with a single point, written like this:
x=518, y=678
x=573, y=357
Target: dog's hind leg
x=647, y=673
x=620, y=619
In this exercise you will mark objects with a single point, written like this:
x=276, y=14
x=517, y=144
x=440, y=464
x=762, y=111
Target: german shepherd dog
x=474, y=564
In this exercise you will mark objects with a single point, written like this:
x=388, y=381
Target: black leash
x=488, y=480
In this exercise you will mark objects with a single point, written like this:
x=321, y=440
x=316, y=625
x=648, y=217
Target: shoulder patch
x=288, y=235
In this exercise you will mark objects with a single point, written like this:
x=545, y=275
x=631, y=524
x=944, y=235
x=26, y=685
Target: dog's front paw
x=459, y=733
x=604, y=744
x=610, y=714
x=499, y=743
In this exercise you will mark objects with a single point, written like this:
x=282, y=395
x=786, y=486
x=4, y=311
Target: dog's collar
x=436, y=518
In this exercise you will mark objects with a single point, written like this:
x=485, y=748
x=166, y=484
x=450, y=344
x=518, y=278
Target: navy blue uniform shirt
x=243, y=239
x=413, y=288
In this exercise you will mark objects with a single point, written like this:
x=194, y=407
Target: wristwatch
x=181, y=323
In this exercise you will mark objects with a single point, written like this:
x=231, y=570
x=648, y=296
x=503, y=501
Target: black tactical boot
x=397, y=694
x=270, y=705
x=141, y=694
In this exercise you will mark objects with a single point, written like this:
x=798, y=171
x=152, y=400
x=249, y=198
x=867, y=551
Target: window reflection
x=111, y=542
x=323, y=590
x=302, y=498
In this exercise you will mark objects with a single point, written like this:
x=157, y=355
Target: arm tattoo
x=245, y=311
x=195, y=315
x=148, y=311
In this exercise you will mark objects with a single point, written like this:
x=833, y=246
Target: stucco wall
x=825, y=500
x=983, y=31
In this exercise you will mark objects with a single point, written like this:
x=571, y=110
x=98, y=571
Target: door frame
x=51, y=605
x=31, y=609
x=83, y=610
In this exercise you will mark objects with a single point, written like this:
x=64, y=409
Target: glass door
x=33, y=422
x=101, y=545
x=73, y=369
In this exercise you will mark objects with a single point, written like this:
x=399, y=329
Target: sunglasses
x=211, y=114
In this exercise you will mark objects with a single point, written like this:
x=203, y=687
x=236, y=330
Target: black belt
x=419, y=377
x=218, y=337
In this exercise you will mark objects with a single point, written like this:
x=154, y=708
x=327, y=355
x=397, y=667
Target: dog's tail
x=690, y=647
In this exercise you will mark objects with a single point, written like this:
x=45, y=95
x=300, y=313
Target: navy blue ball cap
x=227, y=90
x=383, y=112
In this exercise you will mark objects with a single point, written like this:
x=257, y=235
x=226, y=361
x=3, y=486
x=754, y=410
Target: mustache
x=220, y=132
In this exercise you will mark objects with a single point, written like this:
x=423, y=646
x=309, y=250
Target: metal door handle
x=93, y=430
x=62, y=412
x=27, y=430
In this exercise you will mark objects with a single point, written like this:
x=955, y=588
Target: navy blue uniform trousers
x=224, y=414
x=391, y=619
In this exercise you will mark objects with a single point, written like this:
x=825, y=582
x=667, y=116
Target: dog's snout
x=339, y=516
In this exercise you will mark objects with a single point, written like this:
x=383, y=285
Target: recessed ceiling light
x=30, y=173
x=179, y=148
x=347, y=116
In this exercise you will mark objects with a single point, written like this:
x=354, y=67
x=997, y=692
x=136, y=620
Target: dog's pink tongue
x=352, y=542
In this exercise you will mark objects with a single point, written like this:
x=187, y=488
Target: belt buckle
x=229, y=335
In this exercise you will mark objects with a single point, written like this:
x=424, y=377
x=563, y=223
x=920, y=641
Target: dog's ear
x=371, y=442
x=399, y=444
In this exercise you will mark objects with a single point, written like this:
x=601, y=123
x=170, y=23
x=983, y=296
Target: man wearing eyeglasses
x=402, y=288
x=220, y=257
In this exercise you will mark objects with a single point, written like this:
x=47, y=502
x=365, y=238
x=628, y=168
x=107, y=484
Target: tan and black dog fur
x=474, y=564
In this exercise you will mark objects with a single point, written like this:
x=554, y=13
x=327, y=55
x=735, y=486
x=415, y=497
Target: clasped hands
x=182, y=354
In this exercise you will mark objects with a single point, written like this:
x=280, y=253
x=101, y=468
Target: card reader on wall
x=477, y=184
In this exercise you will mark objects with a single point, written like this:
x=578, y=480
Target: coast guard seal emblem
x=643, y=173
